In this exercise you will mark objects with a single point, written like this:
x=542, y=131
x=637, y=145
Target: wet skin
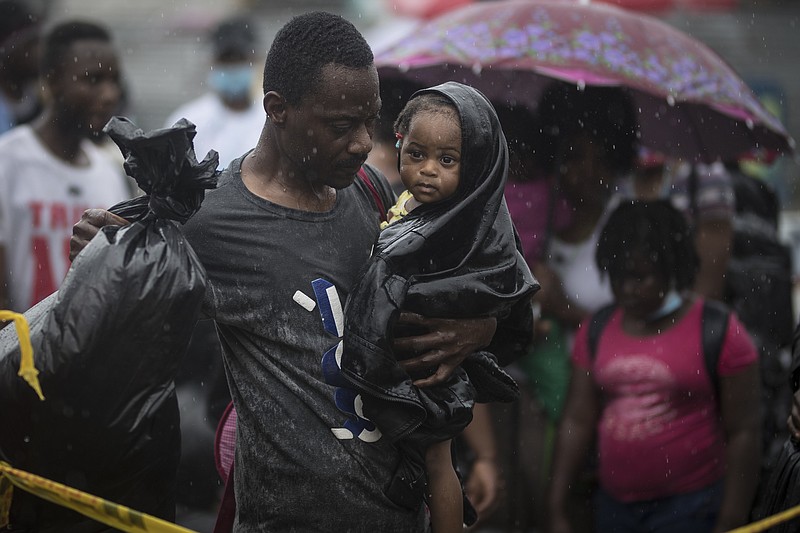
x=430, y=157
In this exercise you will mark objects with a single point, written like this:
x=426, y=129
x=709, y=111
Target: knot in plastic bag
x=165, y=167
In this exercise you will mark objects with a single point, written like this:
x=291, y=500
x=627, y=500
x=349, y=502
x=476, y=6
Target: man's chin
x=341, y=179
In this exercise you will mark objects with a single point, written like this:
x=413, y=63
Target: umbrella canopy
x=690, y=101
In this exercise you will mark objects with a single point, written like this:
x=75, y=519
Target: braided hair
x=652, y=228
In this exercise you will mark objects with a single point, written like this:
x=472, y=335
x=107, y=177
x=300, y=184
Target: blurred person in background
x=703, y=192
x=19, y=67
x=228, y=117
x=50, y=172
x=677, y=420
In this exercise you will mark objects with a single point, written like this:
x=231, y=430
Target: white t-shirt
x=41, y=197
x=576, y=266
x=230, y=133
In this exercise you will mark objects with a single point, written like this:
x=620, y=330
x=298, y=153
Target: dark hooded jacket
x=459, y=258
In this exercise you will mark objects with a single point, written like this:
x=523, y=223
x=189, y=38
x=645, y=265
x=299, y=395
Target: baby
x=448, y=250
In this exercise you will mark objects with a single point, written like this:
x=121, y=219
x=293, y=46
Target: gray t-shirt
x=278, y=280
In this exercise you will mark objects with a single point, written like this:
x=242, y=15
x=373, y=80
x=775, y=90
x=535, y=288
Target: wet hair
x=605, y=114
x=59, y=39
x=304, y=46
x=424, y=103
x=653, y=228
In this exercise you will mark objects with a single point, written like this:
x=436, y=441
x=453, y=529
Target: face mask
x=672, y=301
x=231, y=82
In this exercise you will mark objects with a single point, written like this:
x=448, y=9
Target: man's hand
x=87, y=227
x=447, y=343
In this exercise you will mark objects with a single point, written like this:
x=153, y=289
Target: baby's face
x=430, y=156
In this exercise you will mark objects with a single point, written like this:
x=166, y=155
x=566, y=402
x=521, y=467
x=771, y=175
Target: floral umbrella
x=690, y=102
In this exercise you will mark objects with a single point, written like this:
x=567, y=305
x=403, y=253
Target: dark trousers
x=693, y=512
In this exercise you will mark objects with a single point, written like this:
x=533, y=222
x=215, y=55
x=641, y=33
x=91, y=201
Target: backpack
x=715, y=325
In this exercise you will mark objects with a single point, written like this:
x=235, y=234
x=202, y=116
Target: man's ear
x=275, y=107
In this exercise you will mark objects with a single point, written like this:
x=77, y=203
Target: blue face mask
x=231, y=82
x=672, y=301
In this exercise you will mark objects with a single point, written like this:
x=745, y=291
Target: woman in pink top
x=672, y=454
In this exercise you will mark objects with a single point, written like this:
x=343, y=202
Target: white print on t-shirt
x=347, y=400
x=304, y=300
x=49, y=245
x=640, y=405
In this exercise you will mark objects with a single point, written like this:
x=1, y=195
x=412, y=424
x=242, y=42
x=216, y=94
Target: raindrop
x=671, y=100
x=403, y=67
x=581, y=85
x=749, y=123
x=476, y=68
x=26, y=438
x=314, y=151
x=310, y=132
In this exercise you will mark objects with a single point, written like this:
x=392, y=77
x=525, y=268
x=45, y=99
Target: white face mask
x=231, y=82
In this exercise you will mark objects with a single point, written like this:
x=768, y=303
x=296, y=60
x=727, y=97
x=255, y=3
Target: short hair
x=60, y=38
x=304, y=46
x=234, y=36
x=605, y=114
x=425, y=102
x=654, y=228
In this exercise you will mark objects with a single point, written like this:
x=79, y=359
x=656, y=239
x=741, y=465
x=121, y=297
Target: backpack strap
x=362, y=174
x=715, y=326
x=596, y=327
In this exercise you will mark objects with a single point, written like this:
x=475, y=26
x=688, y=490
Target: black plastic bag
x=108, y=345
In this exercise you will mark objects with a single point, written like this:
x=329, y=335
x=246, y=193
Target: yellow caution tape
x=6, y=491
x=104, y=511
x=27, y=371
x=768, y=522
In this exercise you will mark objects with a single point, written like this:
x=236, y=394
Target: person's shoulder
x=227, y=181
x=15, y=137
x=375, y=175
x=19, y=147
x=379, y=185
x=194, y=110
x=737, y=348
